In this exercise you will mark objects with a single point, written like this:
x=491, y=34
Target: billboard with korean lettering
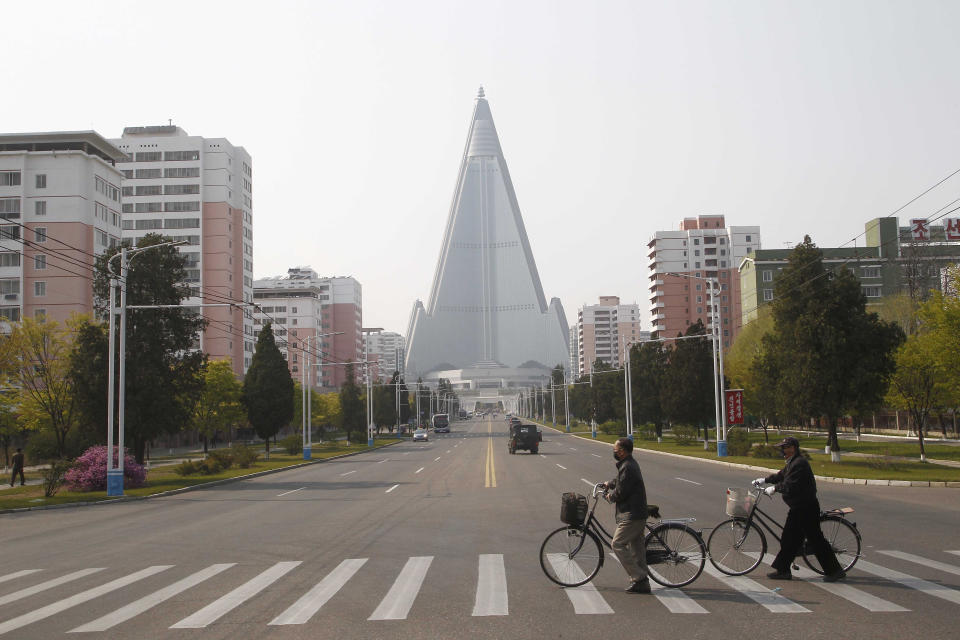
x=733, y=404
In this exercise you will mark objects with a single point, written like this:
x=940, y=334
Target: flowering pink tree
x=89, y=472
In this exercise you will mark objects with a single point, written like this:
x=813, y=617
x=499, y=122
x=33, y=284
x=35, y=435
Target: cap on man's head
x=789, y=441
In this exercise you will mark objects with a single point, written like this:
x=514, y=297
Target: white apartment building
x=313, y=316
x=200, y=191
x=703, y=248
x=574, y=364
x=604, y=332
x=388, y=349
x=60, y=205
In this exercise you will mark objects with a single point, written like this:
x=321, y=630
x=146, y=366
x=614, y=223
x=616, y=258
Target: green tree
x=88, y=370
x=162, y=363
x=648, y=365
x=384, y=406
x=743, y=365
x=37, y=367
x=268, y=388
x=405, y=411
x=353, y=413
x=220, y=404
x=830, y=355
x=917, y=384
x=687, y=389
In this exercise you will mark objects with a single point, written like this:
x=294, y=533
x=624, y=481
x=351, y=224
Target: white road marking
x=80, y=598
x=845, y=591
x=18, y=574
x=673, y=599
x=930, y=588
x=435, y=459
x=571, y=449
x=280, y=495
x=491, y=598
x=588, y=482
x=49, y=584
x=933, y=564
x=690, y=481
x=593, y=454
x=561, y=466
x=448, y=451
x=223, y=605
x=303, y=609
x=146, y=603
x=542, y=456
x=398, y=601
x=771, y=600
x=388, y=490
x=381, y=462
x=956, y=553
x=585, y=598
x=348, y=473
x=415, y=472
x=406, y=453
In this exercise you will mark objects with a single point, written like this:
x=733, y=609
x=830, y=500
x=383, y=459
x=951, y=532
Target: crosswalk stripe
x=856, y=596
x=80, y=598
x=396, y=604
x=218, y=608
x=673, y=599
x=956, y=553
x=143, y=604
x=585, y=598
x=933, y=564
x=770, y=600
x=303, y=609
x=18, y=574
x=907, y=580
x=49, y=584
x=491, y=598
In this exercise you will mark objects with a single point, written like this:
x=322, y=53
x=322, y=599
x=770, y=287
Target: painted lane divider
x=392, y=488
x=419, y=470
x=285, y=493
x=690, y=481
x=595, y=455
x=561, y=466
x=348, y=473
x=435, y=459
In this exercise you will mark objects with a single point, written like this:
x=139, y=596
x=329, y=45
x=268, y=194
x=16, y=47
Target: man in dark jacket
x=17, y=467
x=799, y=488
x=630, y=496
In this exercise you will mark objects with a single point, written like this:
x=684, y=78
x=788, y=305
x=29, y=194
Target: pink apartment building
x=60, y=205
x=679, y=261
x=199, y=191
x=605, y=331
x=317, y=323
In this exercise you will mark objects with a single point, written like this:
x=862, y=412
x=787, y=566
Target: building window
x=181, y=172
x=107, y=189
x=148, y=156
x=9, y=208
x=767, y=276
x=10, y=314
x=40, y=234
x=40, y=207
x=181, y=223
x=41, y=181
x=696, y=241
x=40, y=315
x=9, y=286
x=181, y=189
x=39, y=288
x=126, y=191
x=9, y=232
x=193, y=205
x=9, y=178
x=146, y=174
x=150, y=190
x=173, y=156
x=148, y=207
x=767, y=295
x=39, y=262
x=9, y=259
x=871, y=272
x=872, y=292
x=748, y=239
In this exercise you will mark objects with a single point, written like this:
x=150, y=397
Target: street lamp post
x=306, y=391
x=628, y=393
x=566, y=401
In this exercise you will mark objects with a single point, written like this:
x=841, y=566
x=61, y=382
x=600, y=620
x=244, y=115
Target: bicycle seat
x=653, y=511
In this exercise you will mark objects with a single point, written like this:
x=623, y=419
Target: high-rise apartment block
x=682, y=264
x=316, y=318
x=60, y=206
x=605, y=331
x=387, y=348
x=199, y=191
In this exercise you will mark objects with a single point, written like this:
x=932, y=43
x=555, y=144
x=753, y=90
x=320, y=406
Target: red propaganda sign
x=733, y=403
x=920, y=229
x=951, y=227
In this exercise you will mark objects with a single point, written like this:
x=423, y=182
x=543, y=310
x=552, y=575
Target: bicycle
x=573, y=555
x=737, y=546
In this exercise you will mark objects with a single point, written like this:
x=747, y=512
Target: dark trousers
x=804, y=523
x=14, y=475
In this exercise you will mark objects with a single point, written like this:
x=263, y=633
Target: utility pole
x=566, y=400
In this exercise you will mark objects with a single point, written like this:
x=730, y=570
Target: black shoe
x=780, y=575
x=641, y=586
x=835, y=576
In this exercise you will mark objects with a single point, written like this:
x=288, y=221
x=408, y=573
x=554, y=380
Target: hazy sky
x=617, y=119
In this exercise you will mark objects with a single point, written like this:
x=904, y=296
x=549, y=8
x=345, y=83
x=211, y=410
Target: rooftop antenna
x=170, y=122
x=480, y=92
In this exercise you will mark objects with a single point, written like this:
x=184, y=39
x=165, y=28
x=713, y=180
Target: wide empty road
x=441, y=540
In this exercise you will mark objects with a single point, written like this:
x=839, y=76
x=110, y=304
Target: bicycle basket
x=573, y=509
x=740, y=501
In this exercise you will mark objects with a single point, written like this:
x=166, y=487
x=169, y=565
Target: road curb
x=196, y=487
x=853, y=481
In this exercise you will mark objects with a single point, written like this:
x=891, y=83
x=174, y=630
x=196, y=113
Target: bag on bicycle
x=573, y=509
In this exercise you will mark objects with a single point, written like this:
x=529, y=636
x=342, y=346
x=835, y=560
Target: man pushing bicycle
x=630, y=496
x=799, y=488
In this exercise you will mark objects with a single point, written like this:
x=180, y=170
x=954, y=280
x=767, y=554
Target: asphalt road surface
x=441, y=540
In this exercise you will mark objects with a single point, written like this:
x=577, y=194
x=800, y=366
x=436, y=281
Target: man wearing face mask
x=799, y=488
x=630, y=496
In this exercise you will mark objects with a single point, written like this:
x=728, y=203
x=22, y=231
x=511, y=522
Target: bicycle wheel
x=567, y=565
x=843, y=538
x=675, y=554
x=735, y=549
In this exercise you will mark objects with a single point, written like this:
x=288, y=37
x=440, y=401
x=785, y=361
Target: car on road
x=421, y=435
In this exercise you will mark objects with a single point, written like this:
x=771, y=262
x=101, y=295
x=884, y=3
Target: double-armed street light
x=306, y=388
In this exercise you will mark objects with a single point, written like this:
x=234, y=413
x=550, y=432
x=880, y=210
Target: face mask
x=615, y=457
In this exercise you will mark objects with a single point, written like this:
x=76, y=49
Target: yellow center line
x=491, y=470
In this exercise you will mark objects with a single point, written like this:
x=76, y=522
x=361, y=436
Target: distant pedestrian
x=17, y=467
x=799, y=488
x=630, y=496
